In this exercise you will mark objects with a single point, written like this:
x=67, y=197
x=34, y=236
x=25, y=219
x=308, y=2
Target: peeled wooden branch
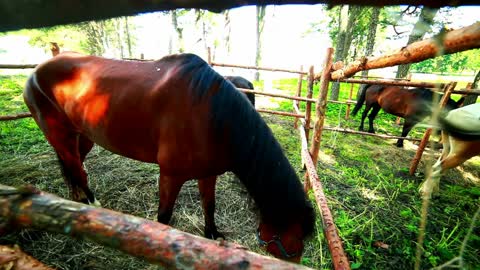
x=451, y=42
x=393, y=82
x=259, y=68
x=383, y=136
x=14, y=66
x=152, y=241
x=271, y=94
x=14, y=117
x=339, y=258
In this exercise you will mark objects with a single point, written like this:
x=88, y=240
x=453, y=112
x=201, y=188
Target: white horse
x=461, y=141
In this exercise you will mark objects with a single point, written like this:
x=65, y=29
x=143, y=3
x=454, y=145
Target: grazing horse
x=413, y=105
x=176, y=112
x=461, y=141
x=241, y=82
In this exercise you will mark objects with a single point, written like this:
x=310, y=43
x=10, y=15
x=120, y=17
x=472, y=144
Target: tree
x=259, y=31
x=177, y=27
x=128, y=36
x=348, y=17
x=227, y=30
x=421, y=27
x=372, y=33
x=66, y=36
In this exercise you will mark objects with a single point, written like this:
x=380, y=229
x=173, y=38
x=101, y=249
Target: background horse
x=461, y=141
x=241, y=82
x=176, y=112
x=413, y=105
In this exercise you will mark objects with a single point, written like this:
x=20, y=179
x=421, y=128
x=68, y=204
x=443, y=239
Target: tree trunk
x=227, y=31
x=127, y=34
x=471, y=99
x=259, y=30
x=372, y=33
x=118, y=28
x=422, y=26
x=348, y=17
x=178, y=31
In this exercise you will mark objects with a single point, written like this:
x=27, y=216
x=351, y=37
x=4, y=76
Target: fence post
x=421, y=147
x=298, y=94
x=209, y=56
x=308, y=107
x=320, y=108
x=54, y=48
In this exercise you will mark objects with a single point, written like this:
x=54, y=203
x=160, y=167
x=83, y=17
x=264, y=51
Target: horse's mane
x=258, y=159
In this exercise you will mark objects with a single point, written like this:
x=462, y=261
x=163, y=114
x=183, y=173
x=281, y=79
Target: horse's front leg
x=207, y=194
x=168, y=188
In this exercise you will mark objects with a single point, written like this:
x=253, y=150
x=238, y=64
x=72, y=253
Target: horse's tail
x=361, y=98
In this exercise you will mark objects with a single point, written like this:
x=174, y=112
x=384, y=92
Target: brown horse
x=413, y=105
x=241, y=82
x=176, y=112
x=461, y=141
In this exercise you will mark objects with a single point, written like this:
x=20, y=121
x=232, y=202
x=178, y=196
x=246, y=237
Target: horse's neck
x=270, y=180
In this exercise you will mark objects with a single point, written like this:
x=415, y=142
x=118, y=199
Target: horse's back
x=155, y=112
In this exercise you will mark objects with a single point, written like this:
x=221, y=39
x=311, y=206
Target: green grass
x=374, y=201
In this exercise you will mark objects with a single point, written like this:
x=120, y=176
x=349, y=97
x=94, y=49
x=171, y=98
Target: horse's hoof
x=96, y=203
x=214, y=235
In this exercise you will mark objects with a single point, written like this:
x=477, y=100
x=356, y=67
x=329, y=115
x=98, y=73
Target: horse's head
x=287, y=243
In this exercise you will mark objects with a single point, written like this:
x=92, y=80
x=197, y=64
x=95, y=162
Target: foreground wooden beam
x=454, y=41
x=20, y=14
x=13, y=258
x=152, y=241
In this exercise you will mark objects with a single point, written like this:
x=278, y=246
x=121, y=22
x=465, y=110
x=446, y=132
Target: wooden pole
x=308, y=107
x=155, y=242
x=54, y=48
x=14, y=66
x=14, y=117
x=209, y=56
x=321, y=106
x=299, y=93
x=259, y=68
x=458, y=40
x=282, y=113
x=392, y=82
x=335, y=245
x=271, y=94
x=421, y=147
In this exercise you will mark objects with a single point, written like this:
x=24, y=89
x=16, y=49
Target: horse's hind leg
x=71, y=149
x=371, y=117
x=364, y=115
x=207, y=193
x=407, y=126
